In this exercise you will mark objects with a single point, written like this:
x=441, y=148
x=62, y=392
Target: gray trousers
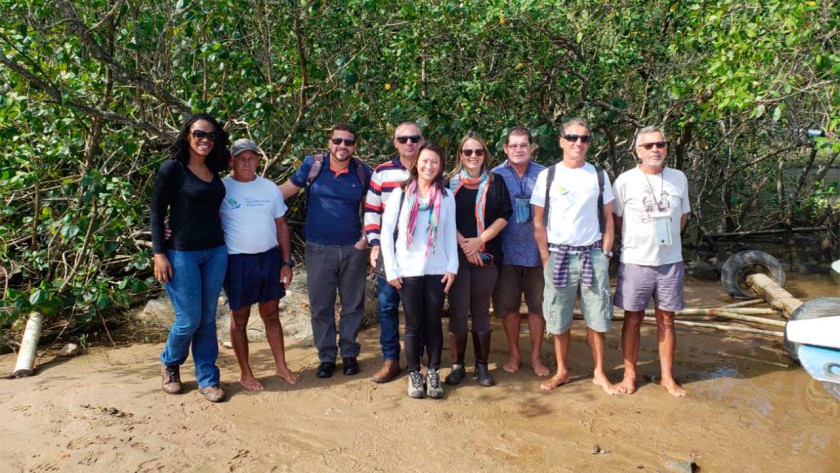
x=330, y=268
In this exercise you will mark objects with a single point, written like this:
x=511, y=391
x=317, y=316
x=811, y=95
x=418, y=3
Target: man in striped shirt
x=387, y=177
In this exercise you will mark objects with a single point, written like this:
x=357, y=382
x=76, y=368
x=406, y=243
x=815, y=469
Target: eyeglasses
x=338, y=141
x=413, y=138
x=658, y=144
x=469, y=152
x=573, y=138
x=199, y=134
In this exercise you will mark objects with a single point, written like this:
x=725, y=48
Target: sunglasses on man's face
x=338, y=141
x=413, y=138
x=469, y=152
x=573, y=138
x=658, y=144
x=201, y=134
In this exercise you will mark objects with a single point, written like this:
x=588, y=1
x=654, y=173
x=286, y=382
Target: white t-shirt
x=402, y=262
x=248, y=213
x=573, y=212
x=641, y=199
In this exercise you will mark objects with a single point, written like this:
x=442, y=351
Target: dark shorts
x=513, y=281
x=638, y=284
x=253, y=278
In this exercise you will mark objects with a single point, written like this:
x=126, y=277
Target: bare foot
x=627, y=385
x=513, y=364
x=288, y=375
x=606, y=385
x=539, y=367
x=558, y=379
x=250, y=383
x=673, y=388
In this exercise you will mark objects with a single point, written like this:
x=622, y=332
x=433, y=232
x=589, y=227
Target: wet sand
x=749, y=408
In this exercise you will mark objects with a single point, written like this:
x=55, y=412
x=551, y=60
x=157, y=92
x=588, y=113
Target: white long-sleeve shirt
x=408, y=262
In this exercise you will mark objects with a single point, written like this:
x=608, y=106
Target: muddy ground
x=749, y=408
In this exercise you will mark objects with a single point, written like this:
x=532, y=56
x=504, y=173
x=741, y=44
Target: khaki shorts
x=595, y=301
x=514, y=280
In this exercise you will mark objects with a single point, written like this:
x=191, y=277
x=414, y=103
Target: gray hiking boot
x=433, y=388
x=415, y=385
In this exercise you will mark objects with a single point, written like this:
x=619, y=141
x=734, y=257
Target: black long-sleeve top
x=497, y=206
x=193, y=207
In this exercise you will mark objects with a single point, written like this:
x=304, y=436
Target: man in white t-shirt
x=259, y=258
x=651, y=208
x=575, y=240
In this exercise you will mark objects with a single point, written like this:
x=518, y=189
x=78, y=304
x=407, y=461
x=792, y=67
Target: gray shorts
x=513, y=281
x=637, y=284
x=595, y=301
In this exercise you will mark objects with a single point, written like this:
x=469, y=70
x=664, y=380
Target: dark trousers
x=469, y=297
x=422, y=298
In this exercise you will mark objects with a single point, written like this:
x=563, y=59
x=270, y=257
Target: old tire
x=813, y=309
x=736, y=269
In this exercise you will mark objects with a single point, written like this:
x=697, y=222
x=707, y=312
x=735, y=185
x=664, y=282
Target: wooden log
x=29, y=344
x=749, y=318
x=725, y=328
x=774, y=294
x=743, y=303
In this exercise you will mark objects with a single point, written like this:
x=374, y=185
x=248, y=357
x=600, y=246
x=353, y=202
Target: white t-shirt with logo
x=248, y=213
x=573, y=211
x=640, y=200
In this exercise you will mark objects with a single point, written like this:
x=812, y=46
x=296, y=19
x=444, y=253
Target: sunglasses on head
x=658, y=144
x=413, y=138
x=338, y=141
x=199, y=134
x=469, y=152
x=573, y=138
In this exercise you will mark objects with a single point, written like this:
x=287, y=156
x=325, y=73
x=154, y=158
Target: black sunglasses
x=413, y=138
x=199, y=134
x=338, y=141
x=469, y=152
x=573, y=138
x=658, y=144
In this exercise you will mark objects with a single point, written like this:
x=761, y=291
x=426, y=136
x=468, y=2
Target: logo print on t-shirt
x=233, y=204
x=650, y=204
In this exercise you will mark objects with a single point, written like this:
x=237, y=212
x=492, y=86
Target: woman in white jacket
x=422, y=262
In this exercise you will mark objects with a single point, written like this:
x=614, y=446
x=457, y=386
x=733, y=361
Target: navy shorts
x=253, y=278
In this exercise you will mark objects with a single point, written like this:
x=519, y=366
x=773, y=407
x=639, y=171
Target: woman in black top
x=482, y=207
x=192, y=262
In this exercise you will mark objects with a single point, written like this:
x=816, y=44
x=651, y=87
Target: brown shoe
x=213, y=393
x=171, y=379
x=390, y=369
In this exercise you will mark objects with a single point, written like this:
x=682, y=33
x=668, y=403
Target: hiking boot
x=456, y=374
x=213, y=393
x=433, y=388
x=415, y=385
x=171, y=379
x=390, y=370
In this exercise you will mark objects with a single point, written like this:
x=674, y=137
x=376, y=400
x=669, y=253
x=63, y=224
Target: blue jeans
x=389, y=319
x=197, y=278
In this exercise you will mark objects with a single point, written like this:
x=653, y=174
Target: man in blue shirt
x=335, y=246
x=521, y=270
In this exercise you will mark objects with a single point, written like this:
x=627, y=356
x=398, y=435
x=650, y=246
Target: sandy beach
x=749, y=408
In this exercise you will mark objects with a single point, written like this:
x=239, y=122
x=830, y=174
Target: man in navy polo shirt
x=521, y=270
x=335, y=247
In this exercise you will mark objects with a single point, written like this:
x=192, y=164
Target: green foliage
x=92, y=92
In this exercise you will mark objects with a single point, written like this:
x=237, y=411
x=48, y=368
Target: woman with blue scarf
x=482, y=208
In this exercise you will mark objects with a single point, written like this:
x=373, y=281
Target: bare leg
x=536, y=325
x=630, y=340
x=667, y=346
x=270, y=314
x=239, y=340
x=511, y=323
x=599, y=377
x=561, y=351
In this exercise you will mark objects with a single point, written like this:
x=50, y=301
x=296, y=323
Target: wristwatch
x=290, y=263
x=609, y=254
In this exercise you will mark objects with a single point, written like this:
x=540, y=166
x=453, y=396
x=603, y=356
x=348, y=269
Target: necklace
x=661, y=188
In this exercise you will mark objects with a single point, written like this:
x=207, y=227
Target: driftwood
x=774, y=231
x=26, y=357
x=774, y=294
x=726, y=328
x=743, y=304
